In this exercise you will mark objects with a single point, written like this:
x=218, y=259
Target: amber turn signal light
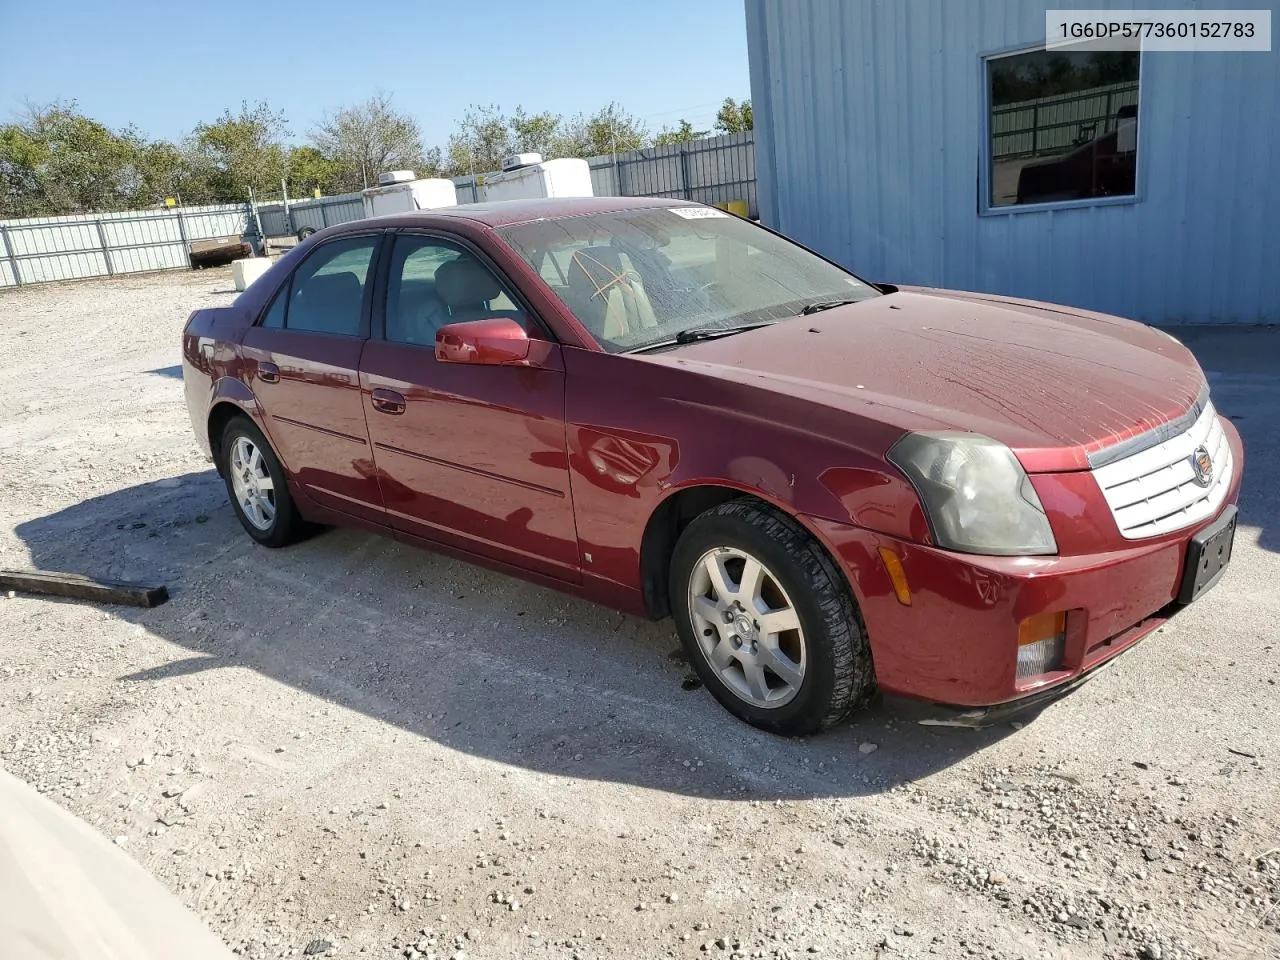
x=897, y=576
x=1043, y=626
x=1041, y=642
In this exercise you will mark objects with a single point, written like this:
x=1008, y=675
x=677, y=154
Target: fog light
x=1041, y=640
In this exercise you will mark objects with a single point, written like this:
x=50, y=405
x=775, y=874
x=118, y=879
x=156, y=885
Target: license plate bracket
x=1208, y=554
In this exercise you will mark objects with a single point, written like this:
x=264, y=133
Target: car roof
x=503, y=213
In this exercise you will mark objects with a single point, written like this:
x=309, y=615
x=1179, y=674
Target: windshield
x=639, y=278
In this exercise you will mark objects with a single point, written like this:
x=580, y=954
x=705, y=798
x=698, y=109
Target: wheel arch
x=677, y=509
x=231, y=398
x=220, y=414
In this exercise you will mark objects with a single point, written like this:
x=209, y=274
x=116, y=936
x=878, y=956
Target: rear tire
x=768, y=621
x=257, y=487
x=305, y=232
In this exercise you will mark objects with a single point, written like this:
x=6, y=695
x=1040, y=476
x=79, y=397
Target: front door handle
x=387, y=401
x=268, y=372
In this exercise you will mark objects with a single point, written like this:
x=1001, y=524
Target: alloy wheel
x=251, y=481
x=747, y=627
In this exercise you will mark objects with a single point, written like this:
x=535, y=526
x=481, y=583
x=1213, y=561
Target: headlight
x=976, y=495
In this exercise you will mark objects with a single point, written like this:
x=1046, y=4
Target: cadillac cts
x=829, y=484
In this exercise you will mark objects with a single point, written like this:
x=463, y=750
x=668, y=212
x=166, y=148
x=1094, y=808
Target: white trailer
x=527, y=176
x=399, y=192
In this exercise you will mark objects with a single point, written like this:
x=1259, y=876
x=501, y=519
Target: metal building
x=937, y=142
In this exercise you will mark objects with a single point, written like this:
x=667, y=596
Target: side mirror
x=496, y=341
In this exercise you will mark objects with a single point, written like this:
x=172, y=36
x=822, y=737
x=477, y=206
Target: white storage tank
x=398, y=195
x=527, y=176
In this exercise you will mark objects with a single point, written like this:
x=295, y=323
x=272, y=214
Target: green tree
x=483, y=137
x=734, y=117
x=22, y=158
x=310, y=170
x=683, y=133
x=433, y=163
x=240, y=151
x=609, y=129
x=161, y=170
x=367, y=139
x=486, y=135
x=537, y=133
x=56, y=160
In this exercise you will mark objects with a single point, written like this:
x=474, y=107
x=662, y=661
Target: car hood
x=1052, y=383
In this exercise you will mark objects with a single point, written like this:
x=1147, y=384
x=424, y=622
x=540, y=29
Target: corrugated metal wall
x=36, y=250
x=869, y=125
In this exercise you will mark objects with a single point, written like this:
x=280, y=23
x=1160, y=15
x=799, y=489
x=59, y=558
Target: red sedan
x=829, y=484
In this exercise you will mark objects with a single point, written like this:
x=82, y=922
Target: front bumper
x=957, y=642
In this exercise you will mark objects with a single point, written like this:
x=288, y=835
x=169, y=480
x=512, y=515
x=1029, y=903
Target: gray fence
x=319, y=213
x=716, y=170
x=40, y=249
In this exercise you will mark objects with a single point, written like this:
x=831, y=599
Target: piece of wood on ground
x=77, y=587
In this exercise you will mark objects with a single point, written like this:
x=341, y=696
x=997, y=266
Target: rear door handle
x=387, y=401
x=268, y=372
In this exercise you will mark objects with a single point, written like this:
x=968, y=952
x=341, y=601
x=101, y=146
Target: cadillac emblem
x=1202, y=465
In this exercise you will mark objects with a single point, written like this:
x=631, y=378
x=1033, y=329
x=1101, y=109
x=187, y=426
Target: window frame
x=285, y=289
x=985, y=208
x=539, y=329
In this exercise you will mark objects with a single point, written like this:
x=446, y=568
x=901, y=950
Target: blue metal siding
x=869, y=126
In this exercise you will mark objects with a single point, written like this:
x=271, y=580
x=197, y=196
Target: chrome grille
x=1156, y=491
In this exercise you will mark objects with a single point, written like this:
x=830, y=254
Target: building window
x=1063, y=126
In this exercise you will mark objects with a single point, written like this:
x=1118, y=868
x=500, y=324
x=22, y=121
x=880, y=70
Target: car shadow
x=477, y=661
x=175, y=371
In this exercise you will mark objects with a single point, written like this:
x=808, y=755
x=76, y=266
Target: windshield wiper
x=825, y=305
x=701, y=333
x=714, y=333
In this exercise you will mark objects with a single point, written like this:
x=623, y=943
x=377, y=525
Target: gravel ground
x=353, y=747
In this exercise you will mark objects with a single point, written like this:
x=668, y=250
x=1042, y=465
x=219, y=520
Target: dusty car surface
x=829, y=485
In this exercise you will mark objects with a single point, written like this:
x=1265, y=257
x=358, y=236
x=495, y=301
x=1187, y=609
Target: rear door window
x=328, y=292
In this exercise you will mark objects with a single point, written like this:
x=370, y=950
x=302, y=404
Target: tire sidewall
x=807, y=710
x=279, y=533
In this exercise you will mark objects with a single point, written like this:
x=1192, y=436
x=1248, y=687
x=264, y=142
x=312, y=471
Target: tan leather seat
x=415, y=315
x=466, y=286
x=607, y=297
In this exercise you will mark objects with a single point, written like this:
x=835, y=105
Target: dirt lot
x=401, y=755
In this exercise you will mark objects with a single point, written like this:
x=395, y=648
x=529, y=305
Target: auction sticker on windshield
x=697, y=213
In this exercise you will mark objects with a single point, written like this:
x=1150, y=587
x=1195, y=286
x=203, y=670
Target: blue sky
x=167, y=66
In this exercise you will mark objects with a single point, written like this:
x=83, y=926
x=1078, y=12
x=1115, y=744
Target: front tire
x=767, y=620
x=257, y=488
